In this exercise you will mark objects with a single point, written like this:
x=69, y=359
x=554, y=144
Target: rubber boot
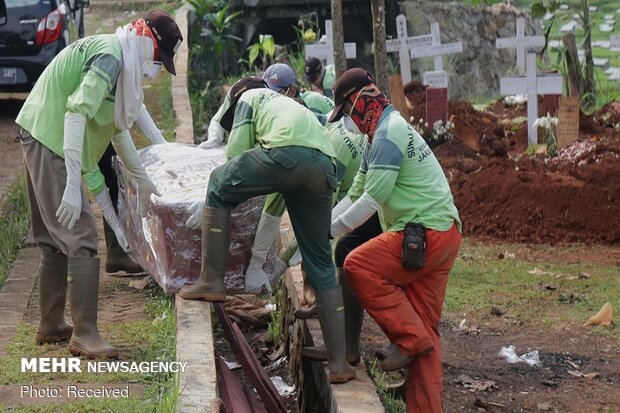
x=395, y=359
x=256, y=279
x=331, y=316
x=84, y=294
x=215, y=245
x=52, y=297
x=353, y=320
x=307, y=312
x=117, y=261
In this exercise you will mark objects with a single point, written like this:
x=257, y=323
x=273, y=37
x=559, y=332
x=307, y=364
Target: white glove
x=127, y=151
x=148, y=127
x=215, y=135
x=195, y=219
x=107, y=209
x=71, y=204
x=354, y=216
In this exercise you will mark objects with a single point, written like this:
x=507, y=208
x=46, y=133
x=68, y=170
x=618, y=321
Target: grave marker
x=521, y=42
x=614, y=42
x=325, y=51
x=436, y=49
x=568, y=121
x=532, y=85
x=400, y=45
x=436, y=105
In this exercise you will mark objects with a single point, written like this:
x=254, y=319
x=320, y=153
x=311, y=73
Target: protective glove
x=354, y=216
x=215, y=135
x=107, y=209
x=148, y=127
x=195, y=210
x=127, y=151
x=71, y=204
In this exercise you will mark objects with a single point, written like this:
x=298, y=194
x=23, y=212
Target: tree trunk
x=572, y=65
x=340, y=59
x=588, y=81
x=380, y=49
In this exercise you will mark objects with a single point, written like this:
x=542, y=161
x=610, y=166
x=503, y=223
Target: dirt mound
x=504, y=195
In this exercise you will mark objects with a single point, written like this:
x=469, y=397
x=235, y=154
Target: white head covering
x=129, y=96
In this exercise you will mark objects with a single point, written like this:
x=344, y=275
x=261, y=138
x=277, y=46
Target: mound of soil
x=504, y=195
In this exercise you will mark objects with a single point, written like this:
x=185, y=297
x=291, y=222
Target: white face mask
x=150, y=69
x=350, y=125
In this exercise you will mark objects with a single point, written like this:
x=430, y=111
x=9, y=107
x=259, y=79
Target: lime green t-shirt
x=266, y=118
x=349, y=148
x=329, y=80
x=401, y=173
x=81, y=79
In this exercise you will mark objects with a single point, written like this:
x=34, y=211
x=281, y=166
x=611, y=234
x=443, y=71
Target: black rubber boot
x=215, y=246
x=354, y=318
x=331, y=316
x=117, y=262
x=52, y=297
x=84, y=296
x=306, y=312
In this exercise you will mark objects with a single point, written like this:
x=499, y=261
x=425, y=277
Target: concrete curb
x=15, y=295
x=194, y=335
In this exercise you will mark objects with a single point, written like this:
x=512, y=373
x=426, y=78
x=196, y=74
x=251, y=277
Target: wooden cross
x=521, y=43
x=325, y=51
x=532, y=85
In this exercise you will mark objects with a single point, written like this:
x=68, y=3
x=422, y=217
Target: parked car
x=35, y=32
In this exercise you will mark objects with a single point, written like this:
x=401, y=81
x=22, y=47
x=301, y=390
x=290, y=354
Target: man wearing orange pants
x=400, y=276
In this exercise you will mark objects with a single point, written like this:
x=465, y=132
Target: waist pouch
x=414, y=244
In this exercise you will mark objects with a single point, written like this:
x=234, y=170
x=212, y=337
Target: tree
x=380, y=48
x=340, y=60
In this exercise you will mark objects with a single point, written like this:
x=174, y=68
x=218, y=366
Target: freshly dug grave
x=504, y=195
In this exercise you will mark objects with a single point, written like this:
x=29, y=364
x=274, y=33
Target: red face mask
x=367, y=106
x=143, y=30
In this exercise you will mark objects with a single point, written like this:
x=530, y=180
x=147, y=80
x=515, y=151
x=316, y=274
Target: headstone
x=563, y=6
x=436, y=97
x=569, y=27
x=521, y=42
x=325, y=51
x=613, y=73
x=436, y=105
x=550, y=105
x=532, y=85
x=435, y=79
x=603, y=63
x=614, y=42
x=606, y=28
x=568, y=121
x=400, y=45
x=603, y=44
x=593, y=8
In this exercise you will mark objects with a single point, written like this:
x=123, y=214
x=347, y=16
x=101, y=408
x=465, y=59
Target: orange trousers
x=407, y=304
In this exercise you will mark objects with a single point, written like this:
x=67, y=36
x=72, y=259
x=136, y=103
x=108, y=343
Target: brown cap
x=313, y=69
x=351, y=81
x=168, y=36
x=242, y=85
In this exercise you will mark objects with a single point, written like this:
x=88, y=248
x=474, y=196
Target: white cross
x=325, y=51
x=435, y=49
x=521, y=43
x=400, y=45
x=532, y=85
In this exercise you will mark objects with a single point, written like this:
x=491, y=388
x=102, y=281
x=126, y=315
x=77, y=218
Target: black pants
x=105, y=165
x=347, y=243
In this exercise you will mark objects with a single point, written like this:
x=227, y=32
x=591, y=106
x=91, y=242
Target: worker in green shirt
x=276, y=146
x=321, y=78
x=87, y=97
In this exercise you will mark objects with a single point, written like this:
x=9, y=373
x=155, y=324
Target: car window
x=20, y=3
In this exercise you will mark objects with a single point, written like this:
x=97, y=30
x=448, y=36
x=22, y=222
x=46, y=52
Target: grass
x=150, y=340
x=13, y=224
x=480, y=280
x=391, y=403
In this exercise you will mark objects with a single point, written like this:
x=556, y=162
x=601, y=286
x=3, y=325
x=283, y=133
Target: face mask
x=150, y=69
x=350, y=126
